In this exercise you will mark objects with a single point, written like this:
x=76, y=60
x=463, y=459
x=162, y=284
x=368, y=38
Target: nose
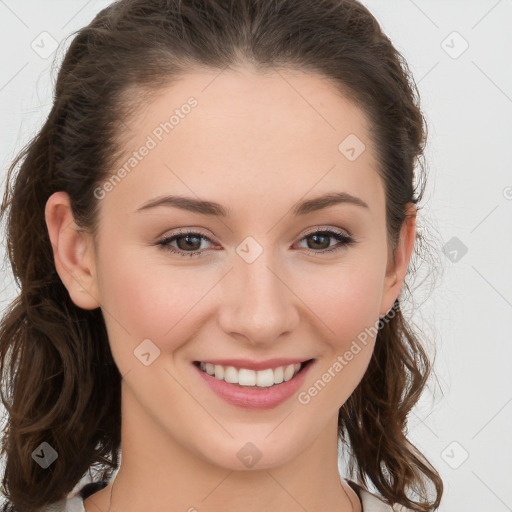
x=258, y=303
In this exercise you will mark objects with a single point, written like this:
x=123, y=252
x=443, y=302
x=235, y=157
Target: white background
x=463, y=423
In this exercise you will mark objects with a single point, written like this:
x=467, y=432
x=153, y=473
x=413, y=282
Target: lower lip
x=252, y=398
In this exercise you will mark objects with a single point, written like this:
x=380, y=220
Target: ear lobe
x=399, y=261
x=72, y=251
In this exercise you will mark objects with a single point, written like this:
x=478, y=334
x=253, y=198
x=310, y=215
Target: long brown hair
x=60, y=384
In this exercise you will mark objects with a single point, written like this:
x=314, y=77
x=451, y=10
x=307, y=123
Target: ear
x=398, y=261
x=73, y=251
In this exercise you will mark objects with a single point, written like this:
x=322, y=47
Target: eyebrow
x=212, y=208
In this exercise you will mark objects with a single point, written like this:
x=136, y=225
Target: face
x=266, y=284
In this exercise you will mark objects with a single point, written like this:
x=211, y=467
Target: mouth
x=249, y=378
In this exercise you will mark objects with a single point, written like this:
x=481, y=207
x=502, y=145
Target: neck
x=159, y=473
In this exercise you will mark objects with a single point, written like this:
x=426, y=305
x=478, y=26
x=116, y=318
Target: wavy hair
x=60, y=384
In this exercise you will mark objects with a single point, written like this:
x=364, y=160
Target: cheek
x=347, y=305
x=347, y=298
x=142, y=300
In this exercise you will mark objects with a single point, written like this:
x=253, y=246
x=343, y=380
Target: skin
x=256, y=143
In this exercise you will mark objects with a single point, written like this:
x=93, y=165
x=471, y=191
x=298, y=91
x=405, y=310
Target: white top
x=369, y=503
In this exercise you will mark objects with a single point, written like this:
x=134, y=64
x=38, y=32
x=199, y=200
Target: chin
x=246, y=455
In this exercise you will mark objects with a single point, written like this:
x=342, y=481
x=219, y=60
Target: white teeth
x=265, y=378
x=231, y=374
x=245, y=377
x=288, y=372
x=219, y=372
x=279, y=375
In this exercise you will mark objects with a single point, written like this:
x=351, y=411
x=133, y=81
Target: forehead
x=248, y=136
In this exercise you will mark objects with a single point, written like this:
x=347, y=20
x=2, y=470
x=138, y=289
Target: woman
x=211, y=233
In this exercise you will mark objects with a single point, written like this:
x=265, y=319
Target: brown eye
x=187, y=243
x=320, y=241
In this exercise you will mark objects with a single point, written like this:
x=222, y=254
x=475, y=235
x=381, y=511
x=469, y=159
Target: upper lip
x=255, y=365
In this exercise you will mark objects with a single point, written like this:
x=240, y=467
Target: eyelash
x=344, y=240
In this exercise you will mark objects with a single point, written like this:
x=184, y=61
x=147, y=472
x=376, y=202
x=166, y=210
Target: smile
x=264, y=385
x=251, y=378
